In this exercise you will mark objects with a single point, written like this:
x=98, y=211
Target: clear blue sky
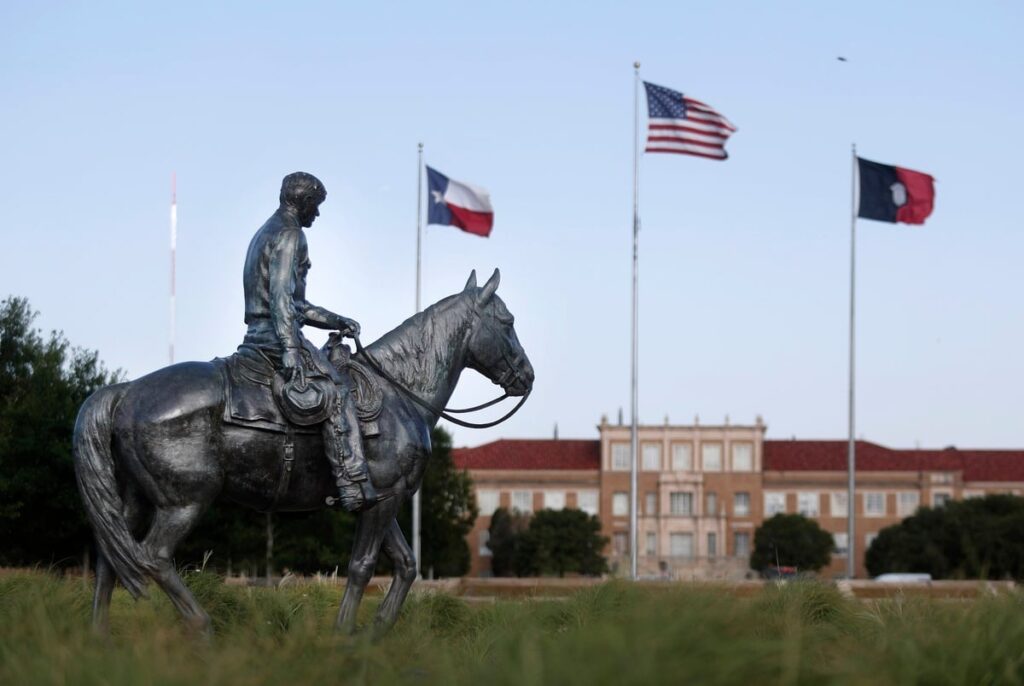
x=744, y=264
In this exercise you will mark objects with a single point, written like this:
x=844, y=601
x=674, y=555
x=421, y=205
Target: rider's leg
x=344, y=447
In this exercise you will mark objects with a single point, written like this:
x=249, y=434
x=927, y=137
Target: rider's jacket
x=274, y=280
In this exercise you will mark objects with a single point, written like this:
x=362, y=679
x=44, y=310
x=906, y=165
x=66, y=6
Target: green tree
x=448, y=511
x=559, y=542
x=791, y=540
x=504, y=535
x=979, y=538
x=43, y=381
x=236, y=538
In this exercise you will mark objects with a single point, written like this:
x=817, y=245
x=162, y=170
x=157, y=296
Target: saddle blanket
x=250, y=402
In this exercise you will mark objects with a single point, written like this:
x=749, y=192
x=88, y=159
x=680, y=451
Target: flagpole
x=851, y=506
x=416, y=514
x=634, y=439
x=174, y=249
x=419, y=206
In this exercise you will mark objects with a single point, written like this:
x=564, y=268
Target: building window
x=522, y=501
x=874, y=504
x=741, y=544
x=652, y=544
x=741, y=504
x=711, y=457
x=711, y=503
x=620, y=457
x=483, y=550
x=651, y=504
x=774, y=503
x=620, y=543
x=838, y=506
x=712, y=545
x=620, y=504
x=651, y=455
x=807, y=503
x=742, y=457
x=976, y=494
x=487, y=502
x=587, y=501
x=681, y=503
x=868, y=540
x=682, y=457
x=554, y=500
x=907, y=503
x=681, y=545
x=940, y=499
x=840, y=544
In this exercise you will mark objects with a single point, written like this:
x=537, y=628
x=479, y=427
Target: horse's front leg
x=370, y=529
x=404, y=561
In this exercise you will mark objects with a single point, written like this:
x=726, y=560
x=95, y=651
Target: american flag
x=679, y=124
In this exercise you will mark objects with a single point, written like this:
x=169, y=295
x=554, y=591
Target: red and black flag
x=894, y=194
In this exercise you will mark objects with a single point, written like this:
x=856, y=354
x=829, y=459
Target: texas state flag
x=453, y=203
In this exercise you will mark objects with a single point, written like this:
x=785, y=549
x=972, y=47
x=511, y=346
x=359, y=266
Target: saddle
x=251, y=400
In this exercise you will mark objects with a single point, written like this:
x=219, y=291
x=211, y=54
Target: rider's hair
x=299, y=187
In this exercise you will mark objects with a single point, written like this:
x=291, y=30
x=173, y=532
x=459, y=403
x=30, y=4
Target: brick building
x=703, y=489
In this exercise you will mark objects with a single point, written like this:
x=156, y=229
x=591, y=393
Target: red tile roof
x=993, y=465
x=976, y=465
x=530, y=454
x=792, y=455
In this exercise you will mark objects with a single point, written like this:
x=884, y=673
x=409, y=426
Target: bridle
x=511, y=373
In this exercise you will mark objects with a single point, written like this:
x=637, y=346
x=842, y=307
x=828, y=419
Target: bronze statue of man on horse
x=278, y=425
x=276, y=308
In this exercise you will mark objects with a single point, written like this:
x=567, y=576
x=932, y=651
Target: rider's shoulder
x=286, y=233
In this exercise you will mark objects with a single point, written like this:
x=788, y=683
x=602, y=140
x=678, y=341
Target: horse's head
x=494, y=349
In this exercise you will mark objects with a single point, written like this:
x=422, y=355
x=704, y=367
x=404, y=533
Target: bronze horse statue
x=151, y=455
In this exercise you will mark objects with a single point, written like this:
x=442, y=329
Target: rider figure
x=276, y=308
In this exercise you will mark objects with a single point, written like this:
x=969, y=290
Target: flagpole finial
x=636, y=65
x=420, y=146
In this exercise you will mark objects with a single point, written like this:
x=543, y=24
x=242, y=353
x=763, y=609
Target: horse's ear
x=471, y=283
x=489, y=288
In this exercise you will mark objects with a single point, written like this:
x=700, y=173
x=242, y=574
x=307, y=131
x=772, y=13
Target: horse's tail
x=94, y=471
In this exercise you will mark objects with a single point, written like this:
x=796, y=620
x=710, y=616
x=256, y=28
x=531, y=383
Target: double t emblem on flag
x=894, y=194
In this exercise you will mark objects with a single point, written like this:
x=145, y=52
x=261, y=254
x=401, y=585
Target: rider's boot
x=344, y=448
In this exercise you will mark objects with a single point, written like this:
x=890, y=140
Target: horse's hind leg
x=170, y=526
x=402, y=556
x=101, y=598
x=134, y=514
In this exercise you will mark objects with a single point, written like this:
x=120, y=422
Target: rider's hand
x=291, y=359
x=349, y=327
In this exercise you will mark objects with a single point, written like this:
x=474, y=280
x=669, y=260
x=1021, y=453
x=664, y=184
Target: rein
x=443, y=413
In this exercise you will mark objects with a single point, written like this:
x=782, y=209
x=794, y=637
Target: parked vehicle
x=780, y=573
x=903, y=578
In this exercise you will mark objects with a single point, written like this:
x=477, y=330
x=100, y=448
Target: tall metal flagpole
x=634, y=439
x=419, y=218
x=174, y=248
x=851, y=507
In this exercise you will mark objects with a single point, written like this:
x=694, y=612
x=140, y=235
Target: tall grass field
x=614, y=633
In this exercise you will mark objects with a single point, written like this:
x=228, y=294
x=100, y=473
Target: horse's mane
x=416, y=349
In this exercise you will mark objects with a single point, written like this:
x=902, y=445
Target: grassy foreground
x=611, y=634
